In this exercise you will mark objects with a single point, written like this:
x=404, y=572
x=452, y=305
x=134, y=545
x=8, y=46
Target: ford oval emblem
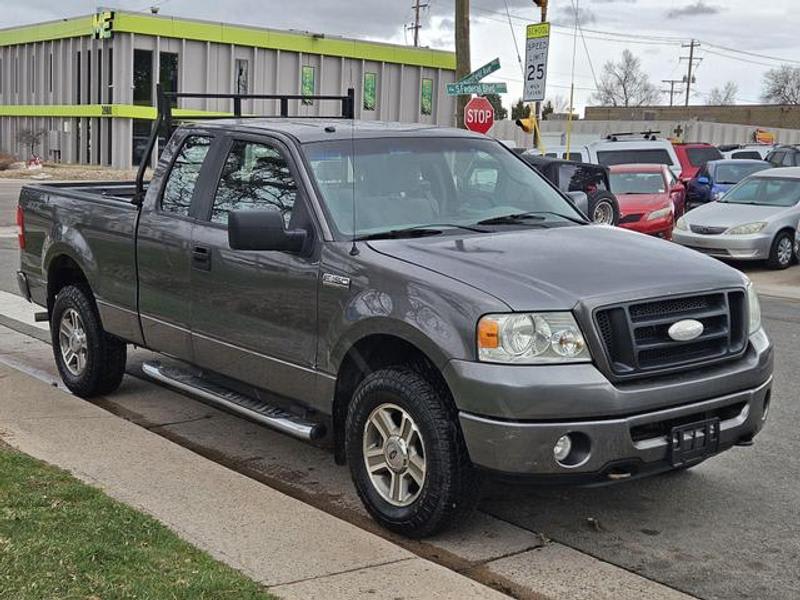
x=686, y=330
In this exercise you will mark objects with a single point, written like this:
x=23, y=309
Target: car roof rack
x=648, y=135
x=167, y=101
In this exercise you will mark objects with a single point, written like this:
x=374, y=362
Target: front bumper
x=526, y=410
x=658, y=227
x=738, y=247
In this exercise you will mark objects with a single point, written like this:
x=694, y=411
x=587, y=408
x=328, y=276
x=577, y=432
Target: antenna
x=352, y=108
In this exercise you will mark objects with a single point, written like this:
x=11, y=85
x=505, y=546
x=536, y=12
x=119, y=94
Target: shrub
x=6, y=160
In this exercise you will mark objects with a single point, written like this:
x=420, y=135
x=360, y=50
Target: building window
x=307, y=83
x=370, y=91
x=78, y=78
x=143, y=77
x=242, y=75
x=426, y=97
x=168, y=73
x=110, y=91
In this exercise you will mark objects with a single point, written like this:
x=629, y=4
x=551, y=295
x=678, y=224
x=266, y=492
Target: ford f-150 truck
x=417, y=298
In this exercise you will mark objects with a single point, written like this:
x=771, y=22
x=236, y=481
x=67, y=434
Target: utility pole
x=463, y=63
x=689, y=80
x=417, y=6
x=671, y=91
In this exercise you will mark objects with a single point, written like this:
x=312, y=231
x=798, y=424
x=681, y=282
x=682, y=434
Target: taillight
x=21, y=228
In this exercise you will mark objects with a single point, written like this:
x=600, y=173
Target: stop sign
x=479, y=115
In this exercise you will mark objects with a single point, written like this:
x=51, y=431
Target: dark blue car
x=718, y=176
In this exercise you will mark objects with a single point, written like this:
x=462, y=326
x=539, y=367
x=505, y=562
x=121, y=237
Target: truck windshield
x=650, y=156
x=401, y=182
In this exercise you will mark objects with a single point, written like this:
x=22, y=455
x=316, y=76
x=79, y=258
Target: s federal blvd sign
x=463, y=89
x=479, y=115
x=471, y=83
x=537, y=45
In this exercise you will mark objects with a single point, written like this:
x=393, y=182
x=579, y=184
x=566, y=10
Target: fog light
x=562, y=448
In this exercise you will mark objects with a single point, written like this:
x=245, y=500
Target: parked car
x=693, y=157
x=576, y=153
x=746, y=151
x=419, y=299
x=646, y=198
x=718, y=176
x=569, y=176
x=624, y=149
x=784, y=156
x=756, y=220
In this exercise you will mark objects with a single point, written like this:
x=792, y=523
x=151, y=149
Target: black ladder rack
x=165, y=120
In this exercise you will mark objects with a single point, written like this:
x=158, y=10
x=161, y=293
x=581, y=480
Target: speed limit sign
x=537, y=38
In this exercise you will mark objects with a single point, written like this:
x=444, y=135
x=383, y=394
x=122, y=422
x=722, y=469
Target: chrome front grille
x=636, y=340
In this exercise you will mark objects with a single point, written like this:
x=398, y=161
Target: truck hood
x=723, y=214
x=555, y=269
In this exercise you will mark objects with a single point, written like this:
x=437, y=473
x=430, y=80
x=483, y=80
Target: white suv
x=629, y=149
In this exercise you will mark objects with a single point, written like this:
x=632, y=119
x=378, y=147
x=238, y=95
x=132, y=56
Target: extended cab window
x=178, y=191
x=255, y=177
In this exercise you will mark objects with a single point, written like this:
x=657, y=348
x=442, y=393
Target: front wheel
x=406, y=453
x=781, y=254
x=90, y=361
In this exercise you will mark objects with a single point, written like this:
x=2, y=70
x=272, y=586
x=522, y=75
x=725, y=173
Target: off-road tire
x=602, y=197
x=774, y=261
x=451, y=488
x=106, y=354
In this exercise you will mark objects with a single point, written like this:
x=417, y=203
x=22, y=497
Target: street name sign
x=479, y=74
x=461, y=89
x=537, y=45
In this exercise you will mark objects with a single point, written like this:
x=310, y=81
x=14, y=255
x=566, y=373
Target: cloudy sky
x=741, y=39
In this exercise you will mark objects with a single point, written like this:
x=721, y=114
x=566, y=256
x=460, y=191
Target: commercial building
x=84, y=88
x=786, y=116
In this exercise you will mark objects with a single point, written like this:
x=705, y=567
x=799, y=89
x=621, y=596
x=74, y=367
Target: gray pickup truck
x=418, y=299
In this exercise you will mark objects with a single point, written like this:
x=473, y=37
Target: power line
x=514, y=37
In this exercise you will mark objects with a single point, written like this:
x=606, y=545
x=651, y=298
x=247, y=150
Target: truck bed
x=89, y=190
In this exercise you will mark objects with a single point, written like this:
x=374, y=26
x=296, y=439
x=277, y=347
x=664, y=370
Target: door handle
x=201, y=258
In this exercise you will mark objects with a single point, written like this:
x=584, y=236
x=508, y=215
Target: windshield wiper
x=415, y=231
x=536, y=215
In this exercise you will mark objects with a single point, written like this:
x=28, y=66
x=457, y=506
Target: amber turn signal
x=488, y=333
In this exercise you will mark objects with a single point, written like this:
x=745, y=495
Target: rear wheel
x=603, y=208
x=782, y=253
x=406, y=453
x=90, y=361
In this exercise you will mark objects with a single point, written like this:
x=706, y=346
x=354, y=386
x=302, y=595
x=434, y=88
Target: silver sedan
x=756, y=220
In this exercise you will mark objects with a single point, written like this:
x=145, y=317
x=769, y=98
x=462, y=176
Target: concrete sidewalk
x=294, y=549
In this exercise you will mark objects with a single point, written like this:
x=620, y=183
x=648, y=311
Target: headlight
x=531, y=338
x=754, y=308
x=660, y=213
x=746, y=229
x=681, y=224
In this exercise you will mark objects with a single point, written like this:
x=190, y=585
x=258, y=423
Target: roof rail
x=648, y=135
x=165, y=120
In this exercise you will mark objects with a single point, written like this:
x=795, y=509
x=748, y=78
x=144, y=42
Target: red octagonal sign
x=479, y=115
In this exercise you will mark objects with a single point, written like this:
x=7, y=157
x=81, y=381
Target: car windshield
x=638, y=183
x=765, y=191
x=649, y=156
x=700, y=156
x=398, y=183
x=734, y=173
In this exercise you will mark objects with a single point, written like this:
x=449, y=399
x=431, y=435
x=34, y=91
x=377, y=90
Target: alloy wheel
x=72, y=342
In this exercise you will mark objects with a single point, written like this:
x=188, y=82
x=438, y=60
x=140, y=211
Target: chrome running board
x=256, y=410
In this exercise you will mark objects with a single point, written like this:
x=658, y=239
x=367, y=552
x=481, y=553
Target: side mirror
x=703, y=180
x=580, y=200
x=263, y=230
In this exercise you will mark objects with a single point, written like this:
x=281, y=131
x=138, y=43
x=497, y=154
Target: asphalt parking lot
x=727, y=529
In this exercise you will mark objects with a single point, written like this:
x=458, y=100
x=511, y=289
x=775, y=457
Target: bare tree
x=625, y=84
x=724, y=96
x=782, y=85
x=30, y=138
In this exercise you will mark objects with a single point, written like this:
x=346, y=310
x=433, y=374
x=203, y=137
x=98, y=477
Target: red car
x=649, y=197
x=693, y=157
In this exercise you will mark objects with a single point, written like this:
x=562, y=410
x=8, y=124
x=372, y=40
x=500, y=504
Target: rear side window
x=255, y=177
x=776, y=158
x=650, y=156
x=573, y=178
x=700, y=156
x=179, y=189
x=789, y=159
